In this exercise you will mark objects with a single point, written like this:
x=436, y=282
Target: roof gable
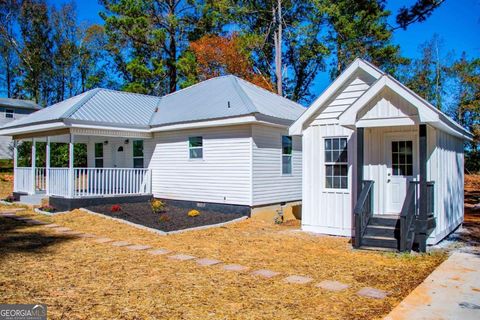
x=333, y=90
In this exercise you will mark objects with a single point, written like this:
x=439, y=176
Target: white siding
x=6, y=142
x=346, y=96
x=326, y=210
x=387, y=105
x=222, y=176
x=445, y=167
x=269, y=184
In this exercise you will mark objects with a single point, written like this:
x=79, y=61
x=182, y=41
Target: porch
x=112, y=166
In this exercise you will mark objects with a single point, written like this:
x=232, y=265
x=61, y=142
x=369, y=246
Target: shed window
x=286, y=155
x=9, y=113
x=138, y=153
x=99, y=155
x=402, y=158
x=336, y=163
x=195, y=146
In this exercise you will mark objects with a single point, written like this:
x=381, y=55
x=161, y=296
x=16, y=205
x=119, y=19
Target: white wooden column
x=71, y=179
x=47, y=167
x=15, y=164
x=34, y=165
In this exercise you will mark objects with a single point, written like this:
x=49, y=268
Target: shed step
x=382, y=231
x=386, y=221
x=379, y=241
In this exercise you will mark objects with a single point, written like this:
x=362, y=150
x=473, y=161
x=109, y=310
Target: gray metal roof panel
x=210, y=99
x=54, y=112
x=19, y=103
x=116, y=107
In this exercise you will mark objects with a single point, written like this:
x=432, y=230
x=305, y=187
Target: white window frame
x=195, y=148
x=95, y=154
x=333, y=163
x=9, y=111
x=287, y=155
x=138, y=157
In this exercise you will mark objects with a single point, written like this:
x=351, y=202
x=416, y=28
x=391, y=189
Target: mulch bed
x=175, y=218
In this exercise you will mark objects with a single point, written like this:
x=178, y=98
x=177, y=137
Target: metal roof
x=217, y=98
x=19, y=103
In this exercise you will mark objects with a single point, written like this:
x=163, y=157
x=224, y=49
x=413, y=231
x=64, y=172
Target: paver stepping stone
x=21, y=218
x=8, y=215
x=181, y=257
x=73, y=233
x=103, y=240
x=62, y=229
x=298, y=279
x=372, y=293
x=205, y=262
x=138, y=247
x=265, y=273
x=120, y=243
x=157, y=252
x=332, y=285
x=234, y=267
x=52, y=225
x=87, y=235
x=36, y=222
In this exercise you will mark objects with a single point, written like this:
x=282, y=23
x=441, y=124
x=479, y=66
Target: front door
x=118, y=155
x=401, y=169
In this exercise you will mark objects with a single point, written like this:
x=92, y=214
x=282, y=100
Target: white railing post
x=15, y=165
x=47, y=167
x=34, y=159
x=71, y=180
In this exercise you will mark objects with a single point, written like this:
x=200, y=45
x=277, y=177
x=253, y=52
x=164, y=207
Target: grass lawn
x=81, y=279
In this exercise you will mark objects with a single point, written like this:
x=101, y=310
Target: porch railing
x=85, y=182
x=410, y=213
x=22, y=178
x=111, y=181
x=363, y=211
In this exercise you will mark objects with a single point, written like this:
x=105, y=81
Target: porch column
x=34, y=165
x=15, y=164
x=71, y=179
x=360, y=144
x=47, y=167
x=422, y=197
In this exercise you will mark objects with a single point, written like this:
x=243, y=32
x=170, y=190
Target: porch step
x=32, y=199
x=380, y=242
x=385, y=221
x=382, y=231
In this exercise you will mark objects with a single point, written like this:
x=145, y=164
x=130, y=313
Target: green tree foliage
x=359, y=28
x=58, y=155
x=427, y=74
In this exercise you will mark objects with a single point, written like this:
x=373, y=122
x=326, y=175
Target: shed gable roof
x=427, y=112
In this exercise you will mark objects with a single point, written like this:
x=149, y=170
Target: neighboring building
x=10, y=110
x=223, y=141
x=380, y=163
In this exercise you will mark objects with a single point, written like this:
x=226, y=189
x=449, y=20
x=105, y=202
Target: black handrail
x=407, y=217
x=363, y=211
x=410, y=213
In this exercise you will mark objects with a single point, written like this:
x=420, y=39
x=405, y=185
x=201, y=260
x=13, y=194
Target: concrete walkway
x=452, y=291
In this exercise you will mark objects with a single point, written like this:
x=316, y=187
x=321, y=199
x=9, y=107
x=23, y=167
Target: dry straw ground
x=81, y=279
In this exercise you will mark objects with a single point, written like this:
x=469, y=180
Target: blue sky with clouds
x=456, y=21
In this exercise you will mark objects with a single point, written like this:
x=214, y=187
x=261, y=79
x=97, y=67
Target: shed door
x=401, y=169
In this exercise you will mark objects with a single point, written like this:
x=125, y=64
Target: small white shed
x=380, y=162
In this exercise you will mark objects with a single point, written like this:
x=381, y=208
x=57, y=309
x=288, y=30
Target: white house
x=10, y=110
x=380, y=163
x=221, y=142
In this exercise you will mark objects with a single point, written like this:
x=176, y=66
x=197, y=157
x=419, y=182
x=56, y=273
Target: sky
x=457, y=22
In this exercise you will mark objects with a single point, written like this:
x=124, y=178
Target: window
x=9, y=113
x=99, y=155
x=402, y=158
x=195, y=146
x=336, y=163
x=138, y=153
x=286, y=155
